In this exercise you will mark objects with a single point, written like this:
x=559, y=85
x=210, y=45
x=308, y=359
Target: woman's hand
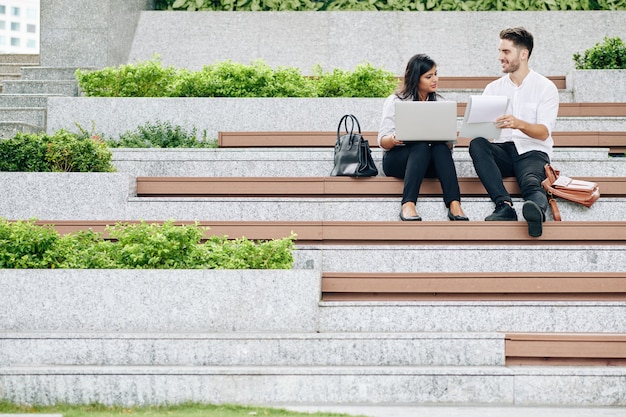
x=390, y=141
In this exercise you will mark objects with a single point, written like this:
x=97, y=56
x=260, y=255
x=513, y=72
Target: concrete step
x=56, y=87
x=332, y=209
x=23, y=100
x=294, y=162
x=472, y=316
x=459, y=257
x=112, y=196
x=114, y=116
x=32, y=59
x=9, y=76
x=408, y=385
x=470, y=410
x=251, y=349
x=29, y=115
x=13, y=67
x=10, y=129
x=286, y=301
x=50, y=73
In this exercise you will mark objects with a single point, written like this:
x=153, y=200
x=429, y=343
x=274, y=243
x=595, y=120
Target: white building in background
x=19, y=26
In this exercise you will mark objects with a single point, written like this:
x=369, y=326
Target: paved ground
x=440, y=411
x=445, y=411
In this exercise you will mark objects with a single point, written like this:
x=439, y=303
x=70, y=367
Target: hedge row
x=390, y=5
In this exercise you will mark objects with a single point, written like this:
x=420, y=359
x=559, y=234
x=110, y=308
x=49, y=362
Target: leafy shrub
x=364, y=81
x=231, y=79
x=154, y=246
x=390, y=5
x=61, y=152
x=24, y=244
x=162, y=135
x=611, y=54
x=144, y=79
x=24, y=153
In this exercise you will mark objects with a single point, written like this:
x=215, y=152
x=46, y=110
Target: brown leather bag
x=577, y=191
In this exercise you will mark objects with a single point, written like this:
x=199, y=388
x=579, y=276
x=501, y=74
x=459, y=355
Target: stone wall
x=88, y=33
x=462, y=43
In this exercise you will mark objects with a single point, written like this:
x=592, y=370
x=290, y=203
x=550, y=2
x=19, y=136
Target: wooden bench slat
x=325, y=139
x=598, y=349
x=477, y=282
x=569, y=337
x=396, y=232
x=480, y=82
x=327, y=186
x=565, y=349
x=474, y=286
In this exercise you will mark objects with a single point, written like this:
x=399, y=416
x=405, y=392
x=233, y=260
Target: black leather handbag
x=353, y=156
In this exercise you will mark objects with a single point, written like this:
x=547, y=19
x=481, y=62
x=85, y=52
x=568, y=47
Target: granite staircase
x=547, y=328
x=26, y=87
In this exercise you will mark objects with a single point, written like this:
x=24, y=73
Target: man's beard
x=512, y=67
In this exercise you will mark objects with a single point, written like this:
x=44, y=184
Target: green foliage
x=390, y=5
x=68, y=152
x=24, y=153
x=153, y=246
x=231, y=79
x=241, y=5
x=144, y=79
x=24, y=244
x=611, y=54
x=162, y=135
x=220, y=253
x=61, y=152
x=227, y=79
x=84, y=249
x=364, y=81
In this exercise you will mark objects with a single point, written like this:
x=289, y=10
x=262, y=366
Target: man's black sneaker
x=503, y=212
x=534, y=216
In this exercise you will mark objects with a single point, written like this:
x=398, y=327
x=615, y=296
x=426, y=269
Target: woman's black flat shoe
x=410, y=218
x=456, y=217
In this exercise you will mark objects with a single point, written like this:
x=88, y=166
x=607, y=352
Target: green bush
x=611, y=54
x=24, y=153
x=231, y=79
x=162, y=135
x=390, y=5
x=144, y=79
x=24, y=244
x=364, y=81
x=61, y=152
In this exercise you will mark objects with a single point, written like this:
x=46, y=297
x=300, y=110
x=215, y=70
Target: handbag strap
x=556, y=213
x=355, y=121
x=344, y=121
x=551, y=176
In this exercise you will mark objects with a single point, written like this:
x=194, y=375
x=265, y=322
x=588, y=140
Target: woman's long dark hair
x=417, y=66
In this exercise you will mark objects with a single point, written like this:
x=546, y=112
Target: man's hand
x=535, y=131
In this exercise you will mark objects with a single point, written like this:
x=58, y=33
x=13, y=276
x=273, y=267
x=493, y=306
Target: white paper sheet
x=567, y=182
x=486, y=109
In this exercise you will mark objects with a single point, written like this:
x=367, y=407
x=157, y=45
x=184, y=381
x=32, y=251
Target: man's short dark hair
x=520, y=37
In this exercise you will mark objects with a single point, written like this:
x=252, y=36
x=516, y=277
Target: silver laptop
x=480, y=113
x=429, y=121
